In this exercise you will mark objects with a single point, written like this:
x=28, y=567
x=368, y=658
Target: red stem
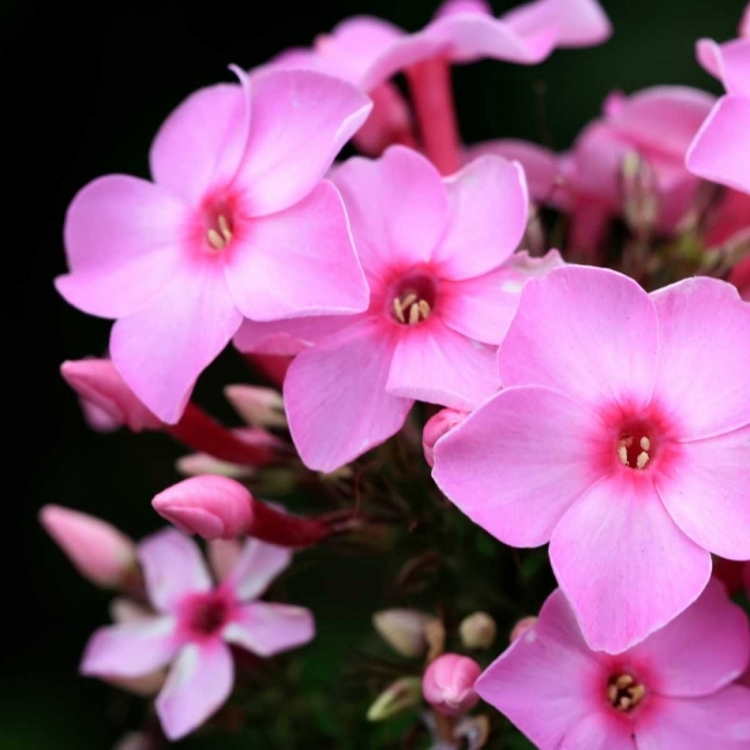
x=286, y=530
x=202, y=433
x=432, y=98
x=272, y=366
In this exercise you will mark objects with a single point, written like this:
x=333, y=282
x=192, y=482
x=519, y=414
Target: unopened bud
x=101, y=553
x=403, y=630
x=403, y=694
x=522, y=626
x=478, y=630
x=448, y=684
x=437, y=426
x=260, y=407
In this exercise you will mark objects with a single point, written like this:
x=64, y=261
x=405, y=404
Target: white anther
x=642, y=460
x=622, y=452
x=645, y=443
x=216, y=240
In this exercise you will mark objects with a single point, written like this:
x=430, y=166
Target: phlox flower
x=721, y=149
x=194, y=624
x=444, y=283
x=238, y=222
x=657, y=125
x=621, y=437
x=674, y=691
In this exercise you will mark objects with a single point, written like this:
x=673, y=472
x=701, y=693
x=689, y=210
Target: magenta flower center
x=208, y=614
x=635, y=446
x=624, y=692
x=413, y=299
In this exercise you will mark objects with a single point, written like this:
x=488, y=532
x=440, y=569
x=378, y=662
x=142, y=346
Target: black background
x=84, y=88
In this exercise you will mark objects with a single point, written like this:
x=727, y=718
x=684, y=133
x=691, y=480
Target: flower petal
x=300, y=120
x=706, y=493
x=435, y=364
x=599, y=731
x=549, y=666
x=397, y=206
x=588, y=332
x=131, y=649
x=704, y=357
x=123, y=240
x=702, y=650
x=335, y=396
x=290, y=336
x=211, y=125
x=519, y=462
x=161, y=350
x=173, y=567
x=258, y=564
x=720, y=720
x=489, y=207
x=198, y=684
x=298, y=262
x=636, y=570
x=720, y=150
x=268, y=629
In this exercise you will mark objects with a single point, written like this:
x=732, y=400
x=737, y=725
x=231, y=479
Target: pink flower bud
x=437, y=426
x=99, y=384
x=478, y=630
x=261, y=407
x=217, y=507
x=522, y=626
x=448, y=684
x=101, y=553
x=745, y=23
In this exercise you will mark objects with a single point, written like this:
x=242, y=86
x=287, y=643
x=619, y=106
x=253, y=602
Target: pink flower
x=195, y=624
x=673, y=691
x=448, y=684
x=656, y=125
x=243, y=227
x=721, y=149
x=443, y=287
x=622, y=437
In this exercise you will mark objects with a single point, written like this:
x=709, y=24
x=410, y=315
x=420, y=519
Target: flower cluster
x=410, y=308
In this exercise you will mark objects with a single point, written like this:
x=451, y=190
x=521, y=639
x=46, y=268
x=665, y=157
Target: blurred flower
x=448, y=684
x=194, y=625
x=403, y=630
x=478, y=630
x=624, y=421
x=401, y=695
x=673, y=691
x=522, y=626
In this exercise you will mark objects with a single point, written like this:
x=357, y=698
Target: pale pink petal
x=706, y=491
x=200, y=145
x=636, y=570
x=433, y=363
x=704, y=357
x=588, y=332
x=299, y=261
x=223, y=555
x=599, y=731
x=289, y=336
x=198, y=684
x=489, y=207
x=257, y=565
x=483, y=307
x=577, y=23
x=173, y=567
x=335, y=396
x=702, y=650
x=161, y=351
x=268, y=629
x=123, y=240
x=729, y=62
x=548, y=667
x=519, y=462
x=720, y=721
x=299, y=122
x=130, y=649
x=720, y=151
x=397, y=206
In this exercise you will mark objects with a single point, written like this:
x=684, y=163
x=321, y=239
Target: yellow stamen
x=399, y=312
x=645, y=443
x=413, y=315
x=642, y=460
x=622, y=452
x=424, y=309
x=216, y=240
x=226, y=232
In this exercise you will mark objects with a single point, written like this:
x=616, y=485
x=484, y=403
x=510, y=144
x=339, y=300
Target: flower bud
x=437, y=426
x=640, y=199
x=478, y=630
x=260, y=407
x=522, y=626
x=448, y=684
x=97, y=382
x=403, y=694
x=744, y=30
x=101, y=553
x=403, y=630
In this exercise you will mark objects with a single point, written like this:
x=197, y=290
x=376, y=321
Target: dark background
x=85, y=86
